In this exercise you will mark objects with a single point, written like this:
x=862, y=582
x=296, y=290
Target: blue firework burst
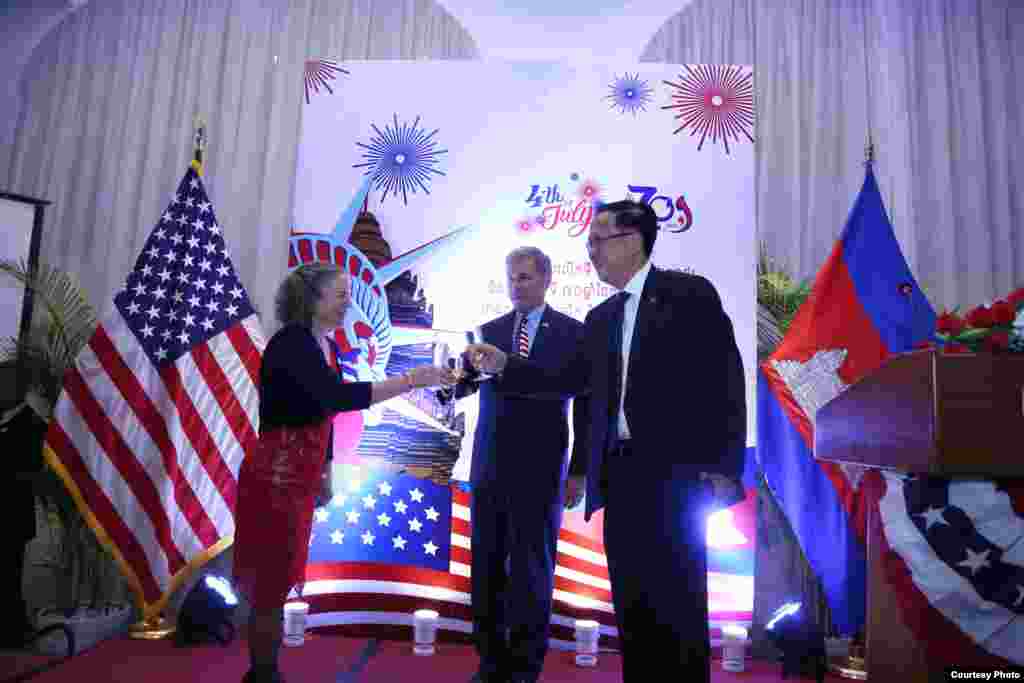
x=630, y=93
x=401, y=158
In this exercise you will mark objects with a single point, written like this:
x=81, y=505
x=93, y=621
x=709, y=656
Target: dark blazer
x=685, y=396
x=298, y=387
x=521, y=438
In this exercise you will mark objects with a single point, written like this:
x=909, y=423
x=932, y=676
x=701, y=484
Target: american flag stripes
x=155, y=417
x=391, y=544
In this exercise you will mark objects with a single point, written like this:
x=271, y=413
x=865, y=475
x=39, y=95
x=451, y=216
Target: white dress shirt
x=635, y=288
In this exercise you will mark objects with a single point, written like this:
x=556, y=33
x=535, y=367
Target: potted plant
x=87, y=583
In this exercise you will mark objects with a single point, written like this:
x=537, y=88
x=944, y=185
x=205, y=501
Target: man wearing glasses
x=667, y=436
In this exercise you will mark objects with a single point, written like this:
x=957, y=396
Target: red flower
x=950, y=323
x=980, y=317
x=1016, y=297
x=956, y=348
x=997, y=341
x=1003, y=312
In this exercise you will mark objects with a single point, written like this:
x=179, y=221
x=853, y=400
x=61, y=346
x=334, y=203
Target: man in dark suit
x=667, y=437
x=518, y=479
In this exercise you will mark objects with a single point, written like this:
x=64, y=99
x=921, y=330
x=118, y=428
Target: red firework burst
x=317, y=74
x=589, y=189
x=715, y=100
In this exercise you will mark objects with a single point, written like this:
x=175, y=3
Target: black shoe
x=257, y=677
x=479, y=677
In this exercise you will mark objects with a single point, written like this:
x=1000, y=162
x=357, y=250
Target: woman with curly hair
x=280, y=481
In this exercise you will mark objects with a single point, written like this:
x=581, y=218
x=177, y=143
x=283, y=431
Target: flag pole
x=157, y=626
x=199, y=145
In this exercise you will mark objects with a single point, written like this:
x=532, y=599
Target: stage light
x=802, y=643
x=722, y=531
x=424, y=626
x=207, y=612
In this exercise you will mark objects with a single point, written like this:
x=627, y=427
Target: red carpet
x=322, y=659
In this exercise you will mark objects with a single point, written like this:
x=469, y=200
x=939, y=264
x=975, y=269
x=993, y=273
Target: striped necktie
x=523, y=338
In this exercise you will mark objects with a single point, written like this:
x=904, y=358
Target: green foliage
x=64, y=322
x=777, y=291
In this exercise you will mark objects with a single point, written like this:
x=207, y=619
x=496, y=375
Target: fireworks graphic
x=526, y=224
x=589, y=189
x=317, y=74
x=401, y=158
x=715, y=100
x=629, y=94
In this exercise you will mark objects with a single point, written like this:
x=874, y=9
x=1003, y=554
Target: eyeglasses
x=595, y=242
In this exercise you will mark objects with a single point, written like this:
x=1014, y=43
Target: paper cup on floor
x=295, y=614
x=424, y=627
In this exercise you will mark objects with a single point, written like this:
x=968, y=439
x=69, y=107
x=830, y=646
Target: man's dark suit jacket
x=521, y=439
x=685, y=396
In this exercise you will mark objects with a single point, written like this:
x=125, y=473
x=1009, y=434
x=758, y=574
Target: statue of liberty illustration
x=367, y=337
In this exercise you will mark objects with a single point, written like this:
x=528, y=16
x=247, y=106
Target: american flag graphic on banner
x=392, y=543
x=155, y=417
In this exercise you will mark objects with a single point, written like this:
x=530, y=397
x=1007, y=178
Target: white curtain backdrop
x=940, y=83
x=107, y=106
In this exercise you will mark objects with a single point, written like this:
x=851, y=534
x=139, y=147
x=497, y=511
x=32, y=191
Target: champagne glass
x=474, y=336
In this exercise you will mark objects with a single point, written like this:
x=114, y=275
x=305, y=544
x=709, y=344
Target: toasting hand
x=486, y=358
x=431, y=376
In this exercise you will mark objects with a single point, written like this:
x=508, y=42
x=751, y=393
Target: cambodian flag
x=864, y=306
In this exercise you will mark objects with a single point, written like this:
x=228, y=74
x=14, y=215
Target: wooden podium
x=924, y=412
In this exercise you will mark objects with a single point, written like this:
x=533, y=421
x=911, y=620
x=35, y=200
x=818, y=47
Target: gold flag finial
x=199, y=144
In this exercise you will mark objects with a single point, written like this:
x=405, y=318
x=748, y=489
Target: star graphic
x=415, y=524
x=368, y=538
x=975, y=561
x=432, y=514
x=384, y=488
x=353, y=516
x=400, y=507
x=399, y=542
x=383, y=519
x=321, y=515
x=416, y=495
x=337, y=536
x=430, y=548
x=932, y=516
x=369, y=502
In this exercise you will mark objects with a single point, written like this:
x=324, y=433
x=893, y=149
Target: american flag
x=392, y=543
x=155, y=417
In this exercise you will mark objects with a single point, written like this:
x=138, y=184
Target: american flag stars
x=178, y=293
x=385, y=518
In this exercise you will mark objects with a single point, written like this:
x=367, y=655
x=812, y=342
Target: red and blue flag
x=864, y=306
